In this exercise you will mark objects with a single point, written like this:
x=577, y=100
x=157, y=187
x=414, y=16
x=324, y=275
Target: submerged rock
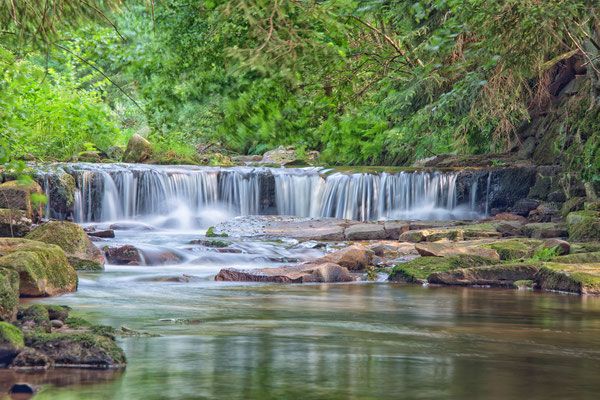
x=43, y=268
x=80, y=251
x=303, y=273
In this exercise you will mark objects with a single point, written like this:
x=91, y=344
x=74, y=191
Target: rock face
x=138, y=150
x=62, y=193
x=498, y=276
x=365, y=232
x=450, y=249
x=124, y=255
x=565, y=278
x=354, y=258
x=14, y=223
x=11, y=343
x=9, y=293
x=43, y=268
x=80, y=251
x=16, y=196
x=303, y=273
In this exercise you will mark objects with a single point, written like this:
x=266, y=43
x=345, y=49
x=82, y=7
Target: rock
x=115, y=152
x=161, y=257
x=514, y=249
x=23, y=389
x=85, y=350
x=60, y=313
x=568, y=278
x=247, y=159
x=379, y=250
x=79, y=249
x=508, y=217
x=109, y=233
x=61, y=187
x=558, y=196
x=138, y=150
x=14, y=223
x=303, y=273
x=354, y=257
x=524, y=206
x=419, y=269
x=584, y=225
x=497, y=275
x=56, y=323
x=9, y=294
x=365, y=232
x=543, y=230
x=43, y=268
x=131, y=226
x=17, y=196
x=580, y=258
x=412, y=237
x=451, y=249
x=393, y=229
x=124, y=255
x=591, y=206
x=543, y=213
x=563, y=247
x=88, y=156
x=31, y=359
x=281, y=156
x=33, y=319
x=11, y=343
x=219, y=160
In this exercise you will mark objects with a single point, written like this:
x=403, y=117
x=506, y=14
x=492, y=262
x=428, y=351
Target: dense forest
x=363, y=82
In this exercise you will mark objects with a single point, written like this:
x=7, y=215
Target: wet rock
x=569, y=278
x=303, y=273
x=14, y=223
x=354, y=257
x=379, y=250
x=162, y=257
x=229, y=251
x=31, y=359
x=563, y=247
x=138, y=150
x=584, y=225
x=210, y=243
x=79, y=249
x=452, y=249
x=85, y=350
x=544, y=230
x=507, y=217
x=9, y=293
x=124, y=255
x=43, y=268
x=543, y=213
x=365, y=232
x=11, y=343
x=17, y=196
x=412, y=237
x=61, y=188
x=419, y=269
x=109, y=233
x=557, y=196
x=524, y=206
x=496, y=276
x=393, y=229
x=131, y=226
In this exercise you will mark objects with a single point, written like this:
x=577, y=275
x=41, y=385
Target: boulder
x=543, y=213
x=393, y=229
x=14, y=223
x=88, y=156
x=43, y=268
x=247, y=159
x=354, y=257
x=115, y=152
x=365, y=232
x=573, y=204
x=109, y=233
x=569, y=278
x=124, y=255
x=57, y=312
x=412, y=237
x=30, y=358
x=9, y=293
x=138, y=150
x=497, y=275
x=515, y=248
x=419, y=269
x=61, y=187
x=80, y=251
x=303, y=273
x=34, y=319
x=544, y=230
x=563, y=247
x=17, y=196
x=584, y=225
x=83, y=350
x=281, y=156
x=11, y=343
x=448, y=249
x=524, y=206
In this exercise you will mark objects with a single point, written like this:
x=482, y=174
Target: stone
x=412, y=237
x=138, y=150
x=543, y=230
x=379, y=250
x=43, y=268
x=524, y=206
x=558, y=196
x=30, y=358
x=79, y=249
x=11, y=343
x=354, y=257
x=131, y=226
x=124, y=255
x=573, y=204
x=419, y=269
x=508, y=217
x=34, y=318
x=281, y=156
x=61, y=187
x=115, y=152
x=56, y=323
x=109, y=233
x=9, y=294
x=569, y=278
x=17, y=196
x=514, y=249
x=247, y=159
x=591, y=206
x=584, y=225
x=83, y=350
x=451, y=249
x=303, y=273
x=161, y=257
x=88, y=156
x=23, y=389
x=393, y=229
x=563, y=247
x=496, y=276
x=543, y=213
x=365, y=232
x=60, y=313
x=14, y=223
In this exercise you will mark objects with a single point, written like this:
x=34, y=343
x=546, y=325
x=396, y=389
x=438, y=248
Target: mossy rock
x=211, y=233
x=504, y=275
x=544, y=230
x=585, y=247
x=81, y=252
x=78, y=350
x=579, y=258
x=419, y=269
x=34, y=319
x=524, y=284
x=9, y=294
x=570, y=278
x=573, y=204
x=62, y=193
x=592, y=206
x=115, y=152
x=138, y=150
x=584, y=225
x=43, y=268
x=11, y=343
x=17, y=196
x=57, y=312
x=88, y=156
x=14, y=223
x=515, y=248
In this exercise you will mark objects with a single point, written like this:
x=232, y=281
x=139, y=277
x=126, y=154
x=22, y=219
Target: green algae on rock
x=582, y=279
x=584, y=225
x=80, y=251
x=515, y=248
x=9, y=293
x=495, y=275
x=11, y=343
x=43, y=268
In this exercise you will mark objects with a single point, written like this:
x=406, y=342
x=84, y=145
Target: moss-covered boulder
x=582, y=279
x=9, y=294
x=89, y=156
x=584, y=225
x=14, y=223
x=573, y=204
x=85, y=350
x=61, y=198
x=33, y=319
x=544, y=230
x=515, y=248
x=578, y=258
x=138, y=150
x=29, y=359
x=115, y=152
x=11, y=343
x=43, y=268
x=419, y=269
x=496, y=275
x=80, y=251
x=57, y=312
x=17, y=196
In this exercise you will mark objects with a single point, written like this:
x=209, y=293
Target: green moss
x=210, y=233
x=82, y=264
x=585, y=247
x=584, y=225
x=579, y=258
x=57, y=312
x=569, y=278
x=76, y=322
x=420, y=268
x=9, y=293
x=524, y=284
x=573, y=204
x=10, y=334
x=34, y=318
x=67, y=235
x=514, y=249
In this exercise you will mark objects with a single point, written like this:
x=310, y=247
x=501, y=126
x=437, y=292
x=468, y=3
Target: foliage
x=545, y=254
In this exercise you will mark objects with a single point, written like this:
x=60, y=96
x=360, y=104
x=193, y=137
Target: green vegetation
x=420, y=268
x=210, y=233
x=9, y=334
x=545, y=254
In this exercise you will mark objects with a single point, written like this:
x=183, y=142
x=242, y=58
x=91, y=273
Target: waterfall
x=487, y=193
x=108, y=192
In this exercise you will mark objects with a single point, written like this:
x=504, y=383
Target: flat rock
x=109, y=233
x=449, y=249
x=497, y=275
x=393, y=229
x=365, y=232
x=303, y=273
x=353, y=258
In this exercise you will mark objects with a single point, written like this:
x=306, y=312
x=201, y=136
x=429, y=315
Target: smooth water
x=334, y=341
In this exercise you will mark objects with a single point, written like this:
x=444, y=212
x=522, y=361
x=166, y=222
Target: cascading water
x=123, y=191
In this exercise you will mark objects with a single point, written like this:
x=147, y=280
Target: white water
x=188, y=196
